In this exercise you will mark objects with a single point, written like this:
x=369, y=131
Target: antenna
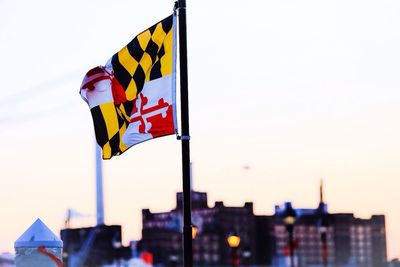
x=321, y=191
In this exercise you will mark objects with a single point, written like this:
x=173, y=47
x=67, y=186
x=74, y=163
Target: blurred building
x=319, y=238
x=348, y=240
x=394, y=263
x=93, y=246
x=6, y=260
x=161, y=234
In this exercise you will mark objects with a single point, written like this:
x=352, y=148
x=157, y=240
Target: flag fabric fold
x=132, y=97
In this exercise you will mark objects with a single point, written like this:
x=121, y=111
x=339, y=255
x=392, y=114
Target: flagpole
x=185, y=138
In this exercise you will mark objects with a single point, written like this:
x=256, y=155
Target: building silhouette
x=161, y=233
x=320, y=238
x=6, y=260
x=93, y=246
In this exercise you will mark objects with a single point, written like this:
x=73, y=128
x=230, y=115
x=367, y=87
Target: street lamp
x=246, y=258
x=173, y=260
x=289, y=218
x=233, y=241
x=117, y=247
x=323, y=230
x=194, y=231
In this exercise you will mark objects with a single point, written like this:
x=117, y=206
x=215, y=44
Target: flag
x=132, y=97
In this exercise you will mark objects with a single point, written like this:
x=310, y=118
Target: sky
x=296, y=90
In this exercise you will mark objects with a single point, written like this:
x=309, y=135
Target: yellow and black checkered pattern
x=110, y=123
x=148, y=56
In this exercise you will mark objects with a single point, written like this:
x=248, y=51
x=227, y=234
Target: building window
x=215, y=258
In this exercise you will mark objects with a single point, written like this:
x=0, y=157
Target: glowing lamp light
x=194, y=231
x=289, y=217
x=233, y=240
x=289, y=220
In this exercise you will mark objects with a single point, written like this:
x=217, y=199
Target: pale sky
x=297, y=90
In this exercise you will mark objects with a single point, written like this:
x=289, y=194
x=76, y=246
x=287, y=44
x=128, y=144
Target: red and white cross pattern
x=152, y=114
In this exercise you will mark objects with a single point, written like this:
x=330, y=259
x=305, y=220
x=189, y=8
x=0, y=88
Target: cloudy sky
x=296, y=90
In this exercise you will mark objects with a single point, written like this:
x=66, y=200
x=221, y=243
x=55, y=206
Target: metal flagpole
x=185, y=138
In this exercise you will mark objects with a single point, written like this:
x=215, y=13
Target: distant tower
x=321, y=191
x=322, y=207
x=99, y=187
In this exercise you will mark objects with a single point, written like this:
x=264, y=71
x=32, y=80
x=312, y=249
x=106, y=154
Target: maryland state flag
x=132, y=97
